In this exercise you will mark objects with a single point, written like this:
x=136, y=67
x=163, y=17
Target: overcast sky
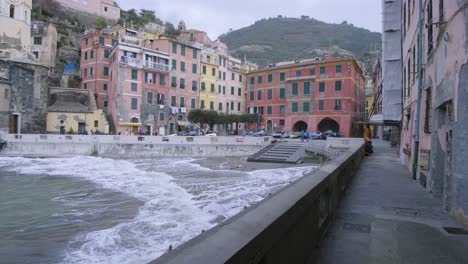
x=218, y=16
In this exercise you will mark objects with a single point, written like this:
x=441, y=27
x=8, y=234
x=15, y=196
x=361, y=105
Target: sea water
x=100, y=210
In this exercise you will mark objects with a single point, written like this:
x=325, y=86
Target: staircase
x=292, y=153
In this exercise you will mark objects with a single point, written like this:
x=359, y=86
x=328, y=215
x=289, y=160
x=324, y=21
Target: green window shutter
x=238, y=106
x=307, y=88
x=106, y=53
x=298, y=73
x=322, y=87
x=282, y=76
x=134, y=103
x=306, y=107
x=149, y=98
x=174, y=65
x=211, y=105
x=321, y=105
x=182, y=102
x=195, y=55
x=295, y=107
x=269, y=110
x=312, y=72
x=259, y=95
x=232, y=106
x=92, y=54
x=295, y=88
x=202, y=104
x=252, y=96
x=192, y=103
x=182, y=66
x=252, y=80
x=182, y=51
x=337, y=86
x=282, y=93
x=105, y=87
x=174, y=48
x=260, y=79
x=322, y=70
x=173, y=81
x=203, y=87
x=338, y=69
x=212, y=88
x=224, y=89
x=239, y=91
x=106, y=71
x=194, y=68
x=161, y=116
x=270, y=94
x=270, y=78
x=232, y=90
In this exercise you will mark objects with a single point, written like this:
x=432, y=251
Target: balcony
x=132, y=62
x=155, y=66
x=39, y=30
x=130, y=40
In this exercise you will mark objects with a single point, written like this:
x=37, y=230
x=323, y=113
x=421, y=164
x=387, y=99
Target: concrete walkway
x=386, y=217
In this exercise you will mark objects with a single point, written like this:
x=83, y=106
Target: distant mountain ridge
x=283, y=39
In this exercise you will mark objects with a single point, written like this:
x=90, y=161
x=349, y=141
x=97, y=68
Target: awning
x=184, y=123
x=131, y=124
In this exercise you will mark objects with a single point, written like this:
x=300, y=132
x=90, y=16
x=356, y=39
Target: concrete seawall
x=284, y=228
x=130, y=146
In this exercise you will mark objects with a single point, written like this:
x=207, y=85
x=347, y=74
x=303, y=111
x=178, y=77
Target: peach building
x=103, y=8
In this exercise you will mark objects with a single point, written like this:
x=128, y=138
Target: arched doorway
x=328, y=124
x=269, y=125
x=300, y=126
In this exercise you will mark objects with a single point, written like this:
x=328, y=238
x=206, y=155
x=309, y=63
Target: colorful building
x=315, y=95
x=44, y=43
x=103, y=8
x=209, y=80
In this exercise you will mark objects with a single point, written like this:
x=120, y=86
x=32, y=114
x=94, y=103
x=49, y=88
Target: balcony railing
x=130, y=40
x=160, y=67
x=132, y=62
x=41, y=30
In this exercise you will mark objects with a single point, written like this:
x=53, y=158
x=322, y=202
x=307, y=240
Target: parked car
x=210, y=135
x=277, y=134
x=286, y=135
x=295, y=135
x=260, y=133
x=315, y=135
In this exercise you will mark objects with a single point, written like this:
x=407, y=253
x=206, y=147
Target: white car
x=172, y=135
x=211, y=135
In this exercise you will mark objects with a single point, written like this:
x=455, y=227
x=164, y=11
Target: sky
x=218, y=16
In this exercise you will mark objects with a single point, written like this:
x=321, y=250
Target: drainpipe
x=420, y=83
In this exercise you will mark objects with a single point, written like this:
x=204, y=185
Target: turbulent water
x=97, y=210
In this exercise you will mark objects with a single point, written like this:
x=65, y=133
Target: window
x=6, y=93
x=106, y=71
x=36, y=54
x=161, y=98
x=298, y=73
x=104, y=87
x=337, y=104
x=430, y=29
x=149, y=77
x=85, y=54
x=220, y=106
x=307, y=88
x=281, y=122
x=182, y=102
x=105, y=103
x=338, y=86
x=338, y=69
x=260, y=80
x=269, y=110
x=101, y=40
x=91, y=71
x=306, y=107
x=212, y=88
x=174, y=48
x=441, y=10
x=239, y=91
x=321, y=105
x=174, y=65
x=91, y=55
x=295, y=107
x=213, y=72
x=295, y=88
x=182, y=50
x=259, y=95
x=233, y=76
x=220, y=75
x=282, y=110
x=86, y=86
x=312, y=72
x=134, y=75
x=238, y=106
x=105, y=8
x=322, y=70
x=194, y=85
x=211, y=105
x=252, y=96
x=106, y=53
x=182, y=66
x=428, y=116
x=224, y=76
x=232, y=106
x=96, y=123
x=134, y=87
x=38, y=41
x=192, y=103
x=12, y=11
x=240, y=78
x=220, y=89
x=162, y=80
x=173, y=101
x=195, y=55
x=322, y=87
x=161, y=116
x=202, y=104
x=173, y=81
x=282, y=76
x=203, y=86
x=270, y=78
x=182, y=83
x=252, y=80
x=282, y=93
x=134, y=103
x=204, y=69
x=149, y=98
x=224, y=89
x=194, y=68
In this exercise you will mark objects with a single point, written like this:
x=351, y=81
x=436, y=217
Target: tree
x=147, y=16
x=101, y=22
x=196, y=116
x=171, y=30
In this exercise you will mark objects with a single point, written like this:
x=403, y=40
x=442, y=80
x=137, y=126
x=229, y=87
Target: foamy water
x=179, y=200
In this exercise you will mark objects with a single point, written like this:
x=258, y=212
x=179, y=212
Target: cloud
x=217, y=17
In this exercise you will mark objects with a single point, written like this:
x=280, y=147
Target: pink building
x=315, y=95
x=441, y=159
x=103, y=8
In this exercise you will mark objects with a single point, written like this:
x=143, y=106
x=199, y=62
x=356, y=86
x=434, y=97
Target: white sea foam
x=180, y=199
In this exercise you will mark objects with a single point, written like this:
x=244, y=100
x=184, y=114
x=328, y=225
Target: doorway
x=15, y=124
x=134, y=130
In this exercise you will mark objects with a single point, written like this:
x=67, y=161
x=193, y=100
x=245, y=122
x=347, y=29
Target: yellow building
x=209, y=81
x=74, y=110
x=369, y=94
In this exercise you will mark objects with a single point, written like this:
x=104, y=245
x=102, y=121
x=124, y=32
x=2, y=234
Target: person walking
x=368, y=149
x=302, y=136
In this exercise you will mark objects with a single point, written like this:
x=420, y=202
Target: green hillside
x=282, y=39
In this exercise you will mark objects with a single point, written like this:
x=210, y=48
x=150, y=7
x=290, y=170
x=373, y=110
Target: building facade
x=315, y=95
x=102, y=8
x=15, y=18
x=443, y=122
x=44, y=43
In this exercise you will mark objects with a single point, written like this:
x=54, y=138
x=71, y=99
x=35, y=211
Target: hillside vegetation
x=282, y=39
